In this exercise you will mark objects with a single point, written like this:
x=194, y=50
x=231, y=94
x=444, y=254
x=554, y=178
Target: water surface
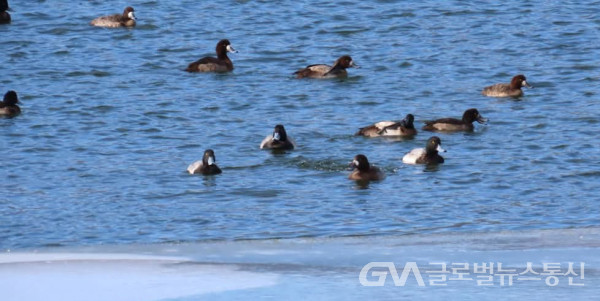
x=110, y=120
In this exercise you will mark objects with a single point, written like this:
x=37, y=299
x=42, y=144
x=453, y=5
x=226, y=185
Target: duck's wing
x=321, y=68
x=204, y=64
x=108, y=21
x=336, y=71
x=195, y=167
x=398, y=129
x=369, y=131
x=373, y=130
x=378, y=174
x=444, y=120
x=414, y=155
x=292, y=141
x=497, y=89
x=213, y=170
x=383, y=124
x=444, y=124
x=265, y=141
x=208, y=60
x=316, y=70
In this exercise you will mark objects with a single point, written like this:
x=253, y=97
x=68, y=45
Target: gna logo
x=381, y=270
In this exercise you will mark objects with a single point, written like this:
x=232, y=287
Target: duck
x=404, y=128
x=363, y=171
x=8, y=106
x=126, y=19
x=279, y=140
x=4, y=15
x=338, y=70
x=427, y=155
x=512, y=89
x=221, y=63
x=453, y=124
x=206, y=166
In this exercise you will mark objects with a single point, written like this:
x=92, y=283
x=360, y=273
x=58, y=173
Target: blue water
x=110, y=120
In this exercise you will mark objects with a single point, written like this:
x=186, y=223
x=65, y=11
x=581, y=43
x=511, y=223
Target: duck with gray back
x=364, y=171
x=4, y=15
x=206, y=166
x=126, y=19
x=512, y=89
x=221, y=63
x=427, y=155
x=453, y=124
x=279, y=140
x=8, y=106
x=338, y=70
x=402, y=128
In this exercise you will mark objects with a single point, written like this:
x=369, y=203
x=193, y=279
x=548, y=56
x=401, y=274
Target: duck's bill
x=354, y=65
x=211, y=160
x=440, y=149
x=230, y=49
x=482, y=120
x=526, y=84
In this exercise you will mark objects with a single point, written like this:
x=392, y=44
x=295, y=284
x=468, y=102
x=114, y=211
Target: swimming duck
x=453, y=124
x=278, y=140
x=4, y=16
x=126, y=19
x=363, y=171
x=206, y=166
x=427, y=155
x=8, y=106
x=405, y=127
x=513, y=89
x=221, y=63
x=325, y=71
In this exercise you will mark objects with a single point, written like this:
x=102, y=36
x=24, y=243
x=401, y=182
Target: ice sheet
x=71, y=276
x=298, y=269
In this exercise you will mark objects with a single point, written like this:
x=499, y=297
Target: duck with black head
x=4, y=15
x=453, y=124
x=364, y=171
x=402, y=128
x=512, y=89
x=427, y=155
x=8, y=106
x=221, y=63
x=279, y=140
x=126, y=19
x=206, y=166
x=338, y=70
